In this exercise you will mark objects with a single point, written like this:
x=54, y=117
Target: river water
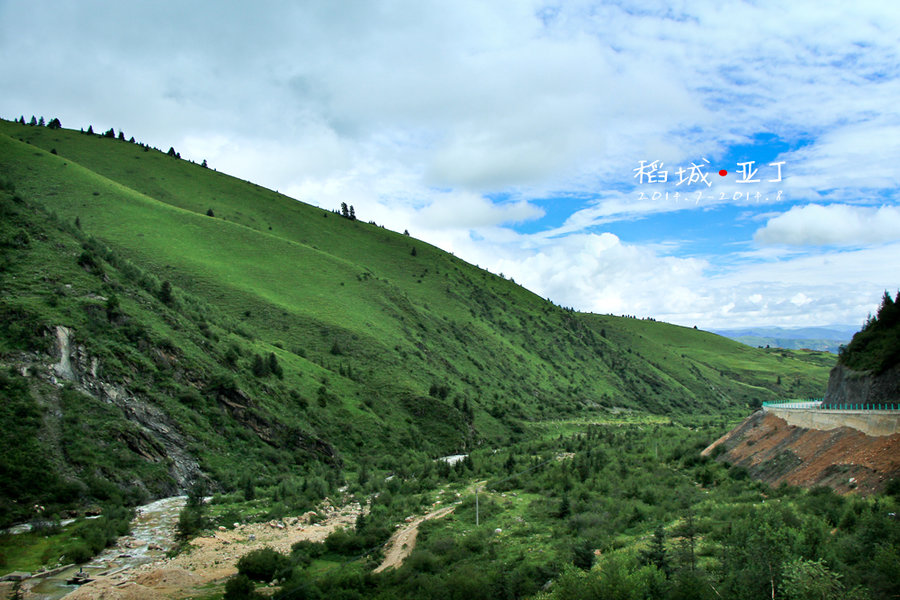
x=153, y=527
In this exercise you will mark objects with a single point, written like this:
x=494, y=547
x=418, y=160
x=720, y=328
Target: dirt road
x=403, y=541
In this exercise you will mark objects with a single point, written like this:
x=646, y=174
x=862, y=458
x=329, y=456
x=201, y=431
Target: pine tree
x=656, y=553
x=165, y=292
x=344, y=212
x=352, y=213
x=260, y=366
x=687, y=533
x=41, y=122
x=274, y=367
x=112, y=307
x=510, y=463
x=583, y=555
x=249, y=490
x=90, y=130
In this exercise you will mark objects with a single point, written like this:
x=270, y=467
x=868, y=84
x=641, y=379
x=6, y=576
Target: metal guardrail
x=817, y=404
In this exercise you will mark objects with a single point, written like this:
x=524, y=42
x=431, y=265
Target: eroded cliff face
x=157, y=437
x=844, y=459
x=846, y=386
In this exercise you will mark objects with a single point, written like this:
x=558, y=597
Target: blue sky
x=508, y=132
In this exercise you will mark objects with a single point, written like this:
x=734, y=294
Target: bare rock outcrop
x=847, y=386
x=158, y=438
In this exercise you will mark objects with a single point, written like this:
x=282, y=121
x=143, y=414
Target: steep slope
x=868, y=369
x=276, y=337
x=775, y=452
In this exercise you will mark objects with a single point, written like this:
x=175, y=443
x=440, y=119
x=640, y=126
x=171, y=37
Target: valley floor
x=210, y=559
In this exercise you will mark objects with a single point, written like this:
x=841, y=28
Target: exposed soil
x=844, y=459
x=214, y=557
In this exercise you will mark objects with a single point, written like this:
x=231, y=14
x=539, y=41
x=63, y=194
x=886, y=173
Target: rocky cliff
x=848, y=386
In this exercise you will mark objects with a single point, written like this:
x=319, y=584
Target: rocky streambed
x=152, y=534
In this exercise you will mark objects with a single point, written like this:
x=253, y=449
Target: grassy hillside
x=384, y=348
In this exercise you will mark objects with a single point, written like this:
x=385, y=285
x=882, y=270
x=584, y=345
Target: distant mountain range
x=828, y=338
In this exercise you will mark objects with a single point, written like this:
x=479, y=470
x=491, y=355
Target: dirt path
x=212, y=558
x=403, y=541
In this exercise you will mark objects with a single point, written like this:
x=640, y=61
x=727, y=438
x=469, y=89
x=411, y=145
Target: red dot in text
x=723, y=173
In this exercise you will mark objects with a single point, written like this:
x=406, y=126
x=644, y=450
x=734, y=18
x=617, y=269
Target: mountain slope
x=387, y=347
x=868, y=369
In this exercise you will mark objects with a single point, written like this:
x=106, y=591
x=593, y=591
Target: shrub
x=343, y=542
x=190, y=521
x=240, y=587
x=263, y=564
x=304, y=551
x=78, y=553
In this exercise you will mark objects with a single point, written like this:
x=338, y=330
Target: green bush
x=263, y=565
x=342, y=541
x=190, y=522
x=304, y=551
x=240, y=587
x=78, y=553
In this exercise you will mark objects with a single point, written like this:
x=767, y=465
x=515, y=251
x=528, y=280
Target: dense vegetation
x=876, y=346
x=616, y=511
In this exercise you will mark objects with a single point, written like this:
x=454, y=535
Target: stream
x=152, y=534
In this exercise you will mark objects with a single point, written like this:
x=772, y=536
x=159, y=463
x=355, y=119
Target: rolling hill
x=162, y=323
x=829, y=339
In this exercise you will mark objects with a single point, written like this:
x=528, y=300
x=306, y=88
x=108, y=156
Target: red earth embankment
x=844, y=459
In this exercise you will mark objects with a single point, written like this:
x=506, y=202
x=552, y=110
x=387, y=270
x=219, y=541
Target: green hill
x=219, y=330
x=876, y=347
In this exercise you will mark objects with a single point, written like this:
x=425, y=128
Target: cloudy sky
x=574, y=146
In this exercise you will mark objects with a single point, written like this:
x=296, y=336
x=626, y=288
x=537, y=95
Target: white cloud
x=800, y=299
x=836, y=224
x=596, y=272
x=470, y=211
x=416, y=112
